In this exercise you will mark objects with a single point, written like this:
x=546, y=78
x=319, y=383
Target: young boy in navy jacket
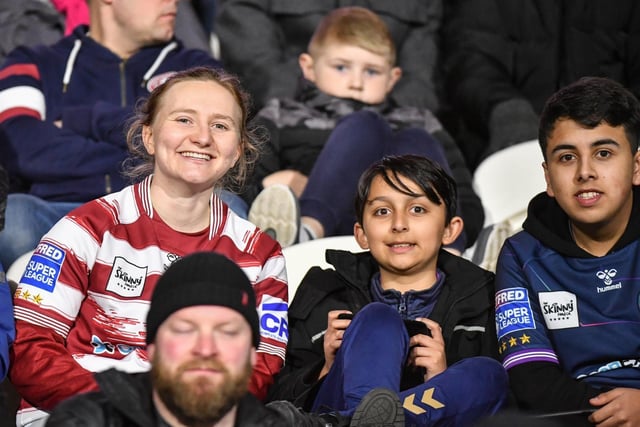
x=405, y=315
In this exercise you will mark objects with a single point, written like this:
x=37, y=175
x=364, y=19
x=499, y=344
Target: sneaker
x=379, y=408
x=275, y=211
x=296, y=417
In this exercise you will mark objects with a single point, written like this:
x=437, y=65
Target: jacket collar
x=130, y=394
x=463, y=279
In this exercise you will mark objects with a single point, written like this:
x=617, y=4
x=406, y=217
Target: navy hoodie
x=92, y=92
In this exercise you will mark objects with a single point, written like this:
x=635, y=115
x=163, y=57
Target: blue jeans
x=373, y=352
x=28, y=218
x=357, y=141
x=235, y=203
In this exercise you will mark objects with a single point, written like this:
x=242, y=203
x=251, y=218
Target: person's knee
x=28, y=218
x=21, y=204
x=365, y=119
x=485, y=370
x=23, y=220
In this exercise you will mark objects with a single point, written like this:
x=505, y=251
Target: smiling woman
x=190, y=138
x=182, y=107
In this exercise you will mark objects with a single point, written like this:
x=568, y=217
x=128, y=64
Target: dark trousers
x=357, y=141
x=373, y=353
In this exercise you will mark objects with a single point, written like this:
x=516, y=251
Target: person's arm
x=253, y=46
x=7, y=325
x=620, y=407
x=42, y=370
x=99, y=121
x=479, y=57
x=427, y=350
x=47, y=302
x=537, y=380
x=544, y=387
x=34, y=148
x=272, y=297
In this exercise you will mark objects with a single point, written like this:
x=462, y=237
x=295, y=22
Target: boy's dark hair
x=590, y=101
x=435, y=183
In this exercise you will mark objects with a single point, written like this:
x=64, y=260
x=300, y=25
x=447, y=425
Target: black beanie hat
x=202, y=278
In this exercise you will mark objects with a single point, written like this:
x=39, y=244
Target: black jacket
x=505, y=58
x=125, y=400
x=467, y=298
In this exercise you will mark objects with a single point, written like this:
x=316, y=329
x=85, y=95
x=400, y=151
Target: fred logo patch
x=126, y=279
x=44, y=267
x=513, y=311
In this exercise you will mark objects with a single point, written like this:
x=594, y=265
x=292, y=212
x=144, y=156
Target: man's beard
x=199, y=402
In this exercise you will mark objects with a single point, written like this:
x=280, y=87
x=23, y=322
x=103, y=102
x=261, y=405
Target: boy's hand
x=428, y=352
x=333, y=338
x=618, y=407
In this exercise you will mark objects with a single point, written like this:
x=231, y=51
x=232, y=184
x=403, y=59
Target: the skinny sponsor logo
x=126, y=279
x=559, y=309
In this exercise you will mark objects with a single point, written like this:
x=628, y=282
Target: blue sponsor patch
x=513, y=311
x=44, y=266
x=273, y=320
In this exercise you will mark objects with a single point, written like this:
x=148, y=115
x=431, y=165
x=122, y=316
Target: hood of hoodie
x=548, y=223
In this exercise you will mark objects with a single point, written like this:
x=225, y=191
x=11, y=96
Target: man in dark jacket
x=406, y=212
x=505, y=58
x=202, y=335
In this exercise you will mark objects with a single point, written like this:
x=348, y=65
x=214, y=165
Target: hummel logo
x=607, y=275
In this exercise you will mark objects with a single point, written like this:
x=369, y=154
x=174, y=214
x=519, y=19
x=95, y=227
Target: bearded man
x=202, y=335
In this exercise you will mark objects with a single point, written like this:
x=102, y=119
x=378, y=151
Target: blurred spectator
x=340, y=122
x=28, y=23
x=206, y=11
x=261, y=40
x=203, y=335
x=505, y=58
x=63, y=110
